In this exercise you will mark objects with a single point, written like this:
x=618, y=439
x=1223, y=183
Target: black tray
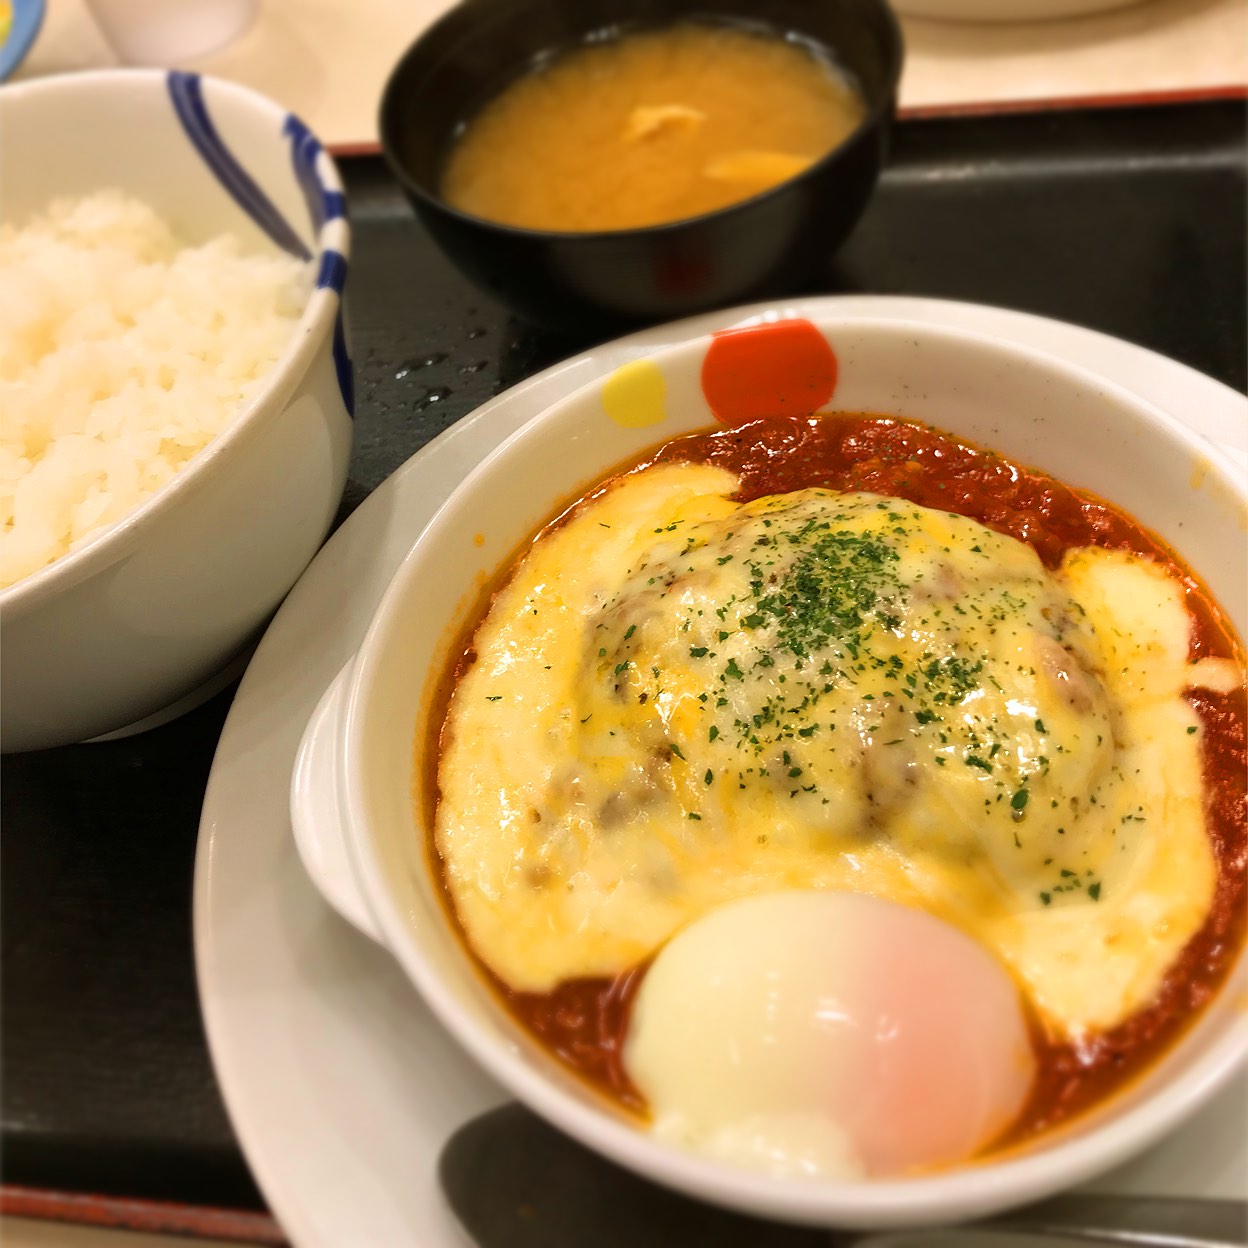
x=1127, y=220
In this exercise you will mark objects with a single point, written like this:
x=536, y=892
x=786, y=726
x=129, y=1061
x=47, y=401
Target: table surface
x=1130, y=221
x=327, y=60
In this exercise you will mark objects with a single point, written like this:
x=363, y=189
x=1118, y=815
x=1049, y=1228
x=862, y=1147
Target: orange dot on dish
x=782, y=369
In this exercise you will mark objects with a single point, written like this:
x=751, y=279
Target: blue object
x=27, y=18
x=186, y=93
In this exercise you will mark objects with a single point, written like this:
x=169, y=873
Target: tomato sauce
x=585, y=1022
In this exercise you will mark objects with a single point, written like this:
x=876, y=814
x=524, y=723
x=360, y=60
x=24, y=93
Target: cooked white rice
x=122, y=355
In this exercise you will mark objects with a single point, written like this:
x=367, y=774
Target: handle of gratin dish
x=318, y=810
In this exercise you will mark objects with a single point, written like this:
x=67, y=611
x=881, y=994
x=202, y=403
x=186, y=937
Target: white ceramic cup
x=168, y=32
x=356, y=789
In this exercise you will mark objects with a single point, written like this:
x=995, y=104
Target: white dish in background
x=1006, y=10
x=293, y=998
x=287, y=52
x=25, y=20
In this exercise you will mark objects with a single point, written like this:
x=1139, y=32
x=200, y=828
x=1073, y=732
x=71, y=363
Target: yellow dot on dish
x=635, y=395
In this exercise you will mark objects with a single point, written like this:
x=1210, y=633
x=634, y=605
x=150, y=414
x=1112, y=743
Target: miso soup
x=648, y=128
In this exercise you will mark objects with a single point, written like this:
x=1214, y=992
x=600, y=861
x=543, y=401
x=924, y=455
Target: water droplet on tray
x=410, y=366
x=436, y=395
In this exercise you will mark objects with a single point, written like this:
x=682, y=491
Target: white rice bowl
x=122, y=355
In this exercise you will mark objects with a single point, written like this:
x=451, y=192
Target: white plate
x=1006, y=10
x=341, y=1086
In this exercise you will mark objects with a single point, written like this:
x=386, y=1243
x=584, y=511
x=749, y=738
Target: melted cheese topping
x=679, y=700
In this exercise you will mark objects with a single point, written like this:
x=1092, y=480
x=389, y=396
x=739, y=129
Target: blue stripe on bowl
x=186, y=92
x=187, y=95
x=342, y=365
x=333, y=275
x=333, y=272
x=323, y=204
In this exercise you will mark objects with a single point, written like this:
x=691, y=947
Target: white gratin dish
x=357, y=786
